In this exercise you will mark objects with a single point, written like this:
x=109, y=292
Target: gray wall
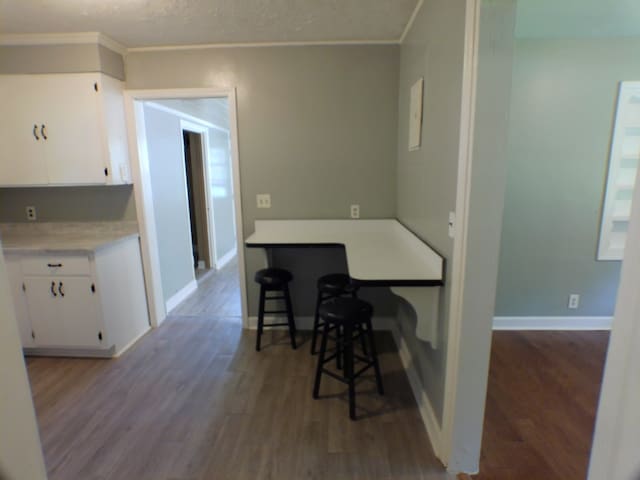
x=563, y=105
x=317, y=130
x=60, y=59
x=170, y=208
x=69, y=204
x=20, y=451
x=426, y=178
x=486, y=199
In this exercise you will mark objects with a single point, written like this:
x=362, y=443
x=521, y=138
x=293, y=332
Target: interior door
x=75, y=150
x=79, y=312
x=21, y=144
x=44, y=311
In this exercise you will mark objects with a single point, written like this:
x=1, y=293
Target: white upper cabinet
x=62, y=129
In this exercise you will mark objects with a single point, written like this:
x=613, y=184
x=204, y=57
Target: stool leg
x=374, y=357
x=339, y=346
x=291, y=321
x=363, y=339
x=316, y=324
x=260, y=318
x=348, y=367
x=323, y=351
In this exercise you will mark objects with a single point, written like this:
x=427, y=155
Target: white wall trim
x=463, y=190
x=552, y=323
x=412, y=18
x=226, y=258
x=424, y=404
x=27, y=39
x=142, y=188
x=202, y=46
x=181, y=295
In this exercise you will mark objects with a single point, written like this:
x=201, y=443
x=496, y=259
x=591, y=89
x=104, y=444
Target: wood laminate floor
x=192, y=400
x=541, y=405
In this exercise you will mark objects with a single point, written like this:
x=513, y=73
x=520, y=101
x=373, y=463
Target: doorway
x=187, y=190
x=201, y=236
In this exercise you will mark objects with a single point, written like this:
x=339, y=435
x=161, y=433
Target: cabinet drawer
x=56, y=265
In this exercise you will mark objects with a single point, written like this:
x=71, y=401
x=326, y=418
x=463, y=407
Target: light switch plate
x=263, y=200
x=452, y=224
x=574, y=301
x=355, y=211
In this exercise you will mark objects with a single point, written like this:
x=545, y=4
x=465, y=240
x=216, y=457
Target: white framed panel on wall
x=623, y=170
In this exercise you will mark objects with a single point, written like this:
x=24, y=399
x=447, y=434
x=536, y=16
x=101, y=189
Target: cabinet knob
x=53, y=289
x=35, y=132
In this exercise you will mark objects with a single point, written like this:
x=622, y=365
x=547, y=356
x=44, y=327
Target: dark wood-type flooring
x=541, y=405
x=192, y=400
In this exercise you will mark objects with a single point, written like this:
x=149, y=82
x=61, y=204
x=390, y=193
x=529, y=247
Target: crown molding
x=411, y=20
x=160, y=48
x=17, y=39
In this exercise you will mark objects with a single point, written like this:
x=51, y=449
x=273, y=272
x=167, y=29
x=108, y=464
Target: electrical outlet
x=574, y=301
x=355, y=211
x=263, y=200
x=31, y=213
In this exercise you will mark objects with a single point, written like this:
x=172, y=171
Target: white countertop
x=380, y=252
x=72, y=237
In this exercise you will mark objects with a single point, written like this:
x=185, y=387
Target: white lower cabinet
x=89, y=304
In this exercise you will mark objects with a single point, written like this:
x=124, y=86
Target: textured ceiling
x=137, y=23
x=578, y=18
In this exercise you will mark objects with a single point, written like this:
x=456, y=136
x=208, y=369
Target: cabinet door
x=78, y=307
x=75, y=148
x=21, y=143
x=44, y=311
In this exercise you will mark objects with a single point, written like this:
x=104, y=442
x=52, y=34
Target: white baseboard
x=306, y=323
x=226, y=258
x=181, y=294
x=552, y=323
x=424, y=404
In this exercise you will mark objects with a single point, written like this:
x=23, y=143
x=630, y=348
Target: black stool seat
x=335, y=284
x=351, y=319
x=273, y=277
x=345, y=309
x=275, y=281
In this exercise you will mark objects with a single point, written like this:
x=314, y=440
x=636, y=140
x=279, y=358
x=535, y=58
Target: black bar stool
x=347, y=314
x=275, y=280
x=330, y=286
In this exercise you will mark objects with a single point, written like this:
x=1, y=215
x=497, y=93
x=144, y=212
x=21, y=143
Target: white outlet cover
x=31, y=212
x=263, y=200
x=355, y=211
x=574, y=301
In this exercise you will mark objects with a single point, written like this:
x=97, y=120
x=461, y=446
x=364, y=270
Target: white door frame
x=614, y=453
x=143, y=193
x=190, y=126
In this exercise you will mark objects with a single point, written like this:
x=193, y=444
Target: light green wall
x=69, y=204
x=426, y=178
x=563, y=105
x=170, y=208
x=317, y=130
